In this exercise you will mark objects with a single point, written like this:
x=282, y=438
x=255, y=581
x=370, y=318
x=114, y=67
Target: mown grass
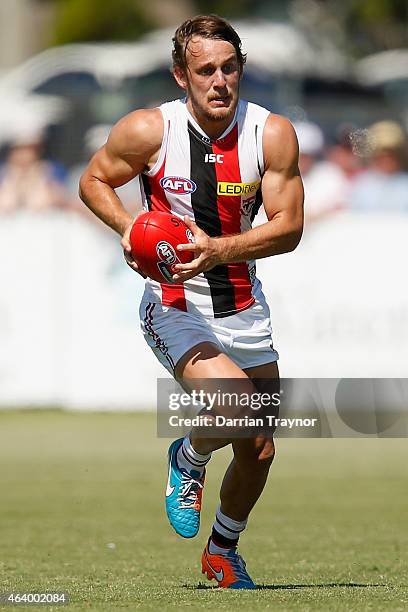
x=81, y=511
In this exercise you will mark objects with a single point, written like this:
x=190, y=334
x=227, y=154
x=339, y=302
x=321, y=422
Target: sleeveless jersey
x=216, y=183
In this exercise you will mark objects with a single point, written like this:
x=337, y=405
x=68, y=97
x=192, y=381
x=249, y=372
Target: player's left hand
x=127, y=249
x=206, y=253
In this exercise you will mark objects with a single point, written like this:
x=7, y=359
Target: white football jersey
x=216, y=183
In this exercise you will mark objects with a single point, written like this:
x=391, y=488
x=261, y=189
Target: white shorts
x=246, y=337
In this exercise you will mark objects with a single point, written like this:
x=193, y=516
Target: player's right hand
x=127, y=250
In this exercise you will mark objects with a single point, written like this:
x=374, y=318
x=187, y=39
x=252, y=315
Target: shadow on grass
x=329, y=585
x=277, y=587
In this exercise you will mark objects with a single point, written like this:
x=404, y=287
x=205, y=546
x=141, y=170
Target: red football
x=154, y=238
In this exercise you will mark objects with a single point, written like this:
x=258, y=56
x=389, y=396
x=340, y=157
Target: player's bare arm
x=132, y=147
x=282, y=193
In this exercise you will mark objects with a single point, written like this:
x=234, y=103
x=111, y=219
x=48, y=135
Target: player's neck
x=212, y=128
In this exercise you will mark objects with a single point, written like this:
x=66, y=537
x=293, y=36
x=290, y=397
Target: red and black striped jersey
x=217, y=183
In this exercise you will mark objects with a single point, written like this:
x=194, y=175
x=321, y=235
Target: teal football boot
x=183, y=495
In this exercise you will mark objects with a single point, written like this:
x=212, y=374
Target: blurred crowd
x=363, y=170
x=31, y=181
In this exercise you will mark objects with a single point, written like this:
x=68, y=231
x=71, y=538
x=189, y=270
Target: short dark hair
x=206, y=26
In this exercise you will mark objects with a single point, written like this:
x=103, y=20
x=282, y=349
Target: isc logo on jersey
x=212, y=158
x=178, y=185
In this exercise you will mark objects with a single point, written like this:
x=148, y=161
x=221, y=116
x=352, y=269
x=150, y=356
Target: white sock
x=188, y=459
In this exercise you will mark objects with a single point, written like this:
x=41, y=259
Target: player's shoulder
x=280, y=145
x=278, y=126
x=275, y=125
x=140, y=130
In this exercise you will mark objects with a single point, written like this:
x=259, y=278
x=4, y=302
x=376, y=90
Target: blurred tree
x=228, y=8
x=361, y=26
x=377, y=24
x=98, y=20
x=358, y=26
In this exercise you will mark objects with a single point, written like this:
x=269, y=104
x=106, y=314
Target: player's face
x=211, y=79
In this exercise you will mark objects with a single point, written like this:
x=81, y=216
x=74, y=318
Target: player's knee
x=256, y=455
x=264, y=448
x=266, y=455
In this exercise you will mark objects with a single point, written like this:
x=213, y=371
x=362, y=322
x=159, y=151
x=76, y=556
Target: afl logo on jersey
x=178, y=185
x=166, y=252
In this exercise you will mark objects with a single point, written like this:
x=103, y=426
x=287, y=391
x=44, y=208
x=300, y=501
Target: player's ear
x=180, y=76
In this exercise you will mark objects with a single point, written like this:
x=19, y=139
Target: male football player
x=211, y=159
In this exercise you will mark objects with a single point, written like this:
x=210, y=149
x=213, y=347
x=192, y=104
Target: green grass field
x=81, y=511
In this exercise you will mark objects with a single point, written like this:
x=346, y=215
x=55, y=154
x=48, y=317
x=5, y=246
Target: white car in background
x=389, y=70
x=96, y=84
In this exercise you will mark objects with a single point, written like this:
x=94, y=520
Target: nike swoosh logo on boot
x=219, y=575
x=169, y=488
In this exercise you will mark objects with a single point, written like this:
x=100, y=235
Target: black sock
x=220, y=540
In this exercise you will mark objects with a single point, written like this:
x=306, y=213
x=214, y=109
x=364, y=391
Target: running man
x=229, y=157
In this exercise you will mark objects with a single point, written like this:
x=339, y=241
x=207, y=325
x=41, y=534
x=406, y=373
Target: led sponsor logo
x=178, y=185
x=236, y=189
x=166, y=252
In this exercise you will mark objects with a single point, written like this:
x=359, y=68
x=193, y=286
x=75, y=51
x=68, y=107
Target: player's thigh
x=265, y=377
x=267, y=372
x=214, y=369
x=206, y=360
x=173, y=333
x=207, y=368
x=188, y=348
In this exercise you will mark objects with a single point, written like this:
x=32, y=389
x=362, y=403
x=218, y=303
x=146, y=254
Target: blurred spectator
x=129, y=194
x=384, y=185
x=342, y=153
x=326, y=183
x=26, y=180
